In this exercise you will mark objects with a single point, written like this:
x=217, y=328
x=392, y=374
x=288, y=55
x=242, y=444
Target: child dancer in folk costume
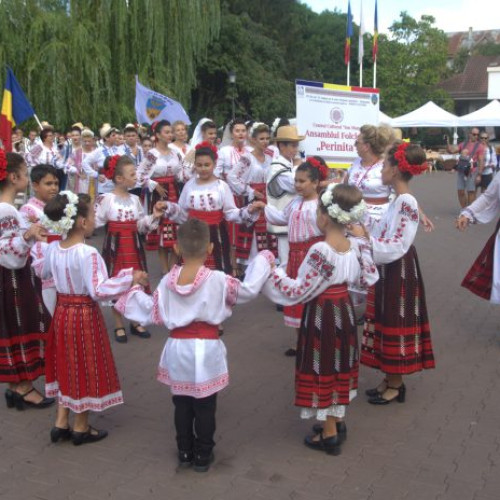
x=483, y=278
x=396, y=337
x=123, y=216
x=84, y=176
x=160, y=173
x=300, y=217
x=45, y=185
x=191, y=301
x=326, y=375
x=247, y=180
x=210, y=199
x=132, y=147
x=80, y=369
x=24, y=320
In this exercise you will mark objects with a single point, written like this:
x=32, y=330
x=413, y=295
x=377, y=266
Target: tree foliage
x=76, y=59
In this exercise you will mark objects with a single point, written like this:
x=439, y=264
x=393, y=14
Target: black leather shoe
x=399, y=397
x=21, y=403
x=122, y=339
x=341, y=430
x=202, y=462
x=10, y=398
x=290, y=353
x=185, y=459
x=90, y=436
x=329, y=445
x=134, y=331
x=371, y=393
x=57, y=433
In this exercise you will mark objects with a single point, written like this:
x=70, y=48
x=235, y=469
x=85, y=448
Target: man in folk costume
x=281, y=182
x=108, y=148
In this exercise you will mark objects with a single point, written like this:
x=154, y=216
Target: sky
x=450, y=15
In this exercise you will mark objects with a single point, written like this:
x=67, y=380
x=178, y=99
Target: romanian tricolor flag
x=375, y=35
x=347, y=48
x=15, y=109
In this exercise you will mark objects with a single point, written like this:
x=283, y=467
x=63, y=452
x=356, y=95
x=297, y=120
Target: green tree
x=76, y=59
x=411, y=64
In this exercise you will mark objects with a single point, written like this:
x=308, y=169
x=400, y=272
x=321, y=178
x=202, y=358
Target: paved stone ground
x=443, y=443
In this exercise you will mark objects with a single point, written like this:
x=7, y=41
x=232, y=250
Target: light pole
x=232, y=82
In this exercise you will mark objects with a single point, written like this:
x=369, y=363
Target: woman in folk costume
x=229, y=155
x=179, y=144
x=205, y=131
x=24, y=320
x=248, y=180
x=80, y=369
x=396, y=336
x=326, y=376
x=160, y=172
x=366, y=171
x=483, y=278
x=122, y=214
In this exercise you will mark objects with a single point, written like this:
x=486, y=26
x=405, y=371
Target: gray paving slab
x=443, y=443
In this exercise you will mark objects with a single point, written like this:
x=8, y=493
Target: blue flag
x=152, y=107
x=21, y=107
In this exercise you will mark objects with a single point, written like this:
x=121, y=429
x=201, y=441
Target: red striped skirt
x=24, y=322
x=80, y=370
x=122, y=248
x=296, y=256
x=327, y=351
x=166, y=234
x=220, y=258
x=245, y=234
x=479, y=278
x=396, y=336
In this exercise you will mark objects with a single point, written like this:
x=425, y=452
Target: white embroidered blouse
x=393, y=235
x=322, y=268
x=110, y=207
x=14, y=249
x=156, y=164
x=300, y=217
x=209, y=197
x=248, y=170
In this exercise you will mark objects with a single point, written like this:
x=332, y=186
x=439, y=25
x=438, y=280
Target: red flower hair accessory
x=404, y=165
x=207, y=145
x=323, y=169
x=3, y=165
x=109, y=171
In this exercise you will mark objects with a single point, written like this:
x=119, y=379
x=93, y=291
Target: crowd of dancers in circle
x=228, y=223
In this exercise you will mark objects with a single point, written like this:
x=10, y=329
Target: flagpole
x=349, y=73
x=361, y=73
x=38, y=121
x=375, y=74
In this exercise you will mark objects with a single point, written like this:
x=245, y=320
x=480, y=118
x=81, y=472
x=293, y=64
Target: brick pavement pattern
x=442, y=444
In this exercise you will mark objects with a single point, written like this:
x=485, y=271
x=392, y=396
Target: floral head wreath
x=322, y=169
x=3, y=165
x=109, y=171
x=335, y=212
x=404, y=165
x=254, y=127
x=207, y=145
x=66, y=222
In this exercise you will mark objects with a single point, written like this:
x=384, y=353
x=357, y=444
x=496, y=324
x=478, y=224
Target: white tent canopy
x=489, y=116
x=383, y=118
x=428, y=115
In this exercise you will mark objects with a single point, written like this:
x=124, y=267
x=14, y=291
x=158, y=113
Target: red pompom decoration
x=207, y=145
x=3, y=165
x=109, y=171
x=404, y=165
x=323, y=169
